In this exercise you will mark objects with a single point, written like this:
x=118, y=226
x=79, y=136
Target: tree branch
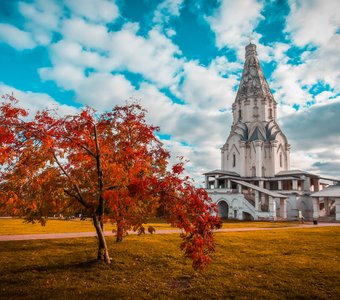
x=81, y=199
x=77, y=198
x=82, y=146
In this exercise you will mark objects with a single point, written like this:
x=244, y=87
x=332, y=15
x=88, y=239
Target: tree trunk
x=119, y=237
x=103, y=253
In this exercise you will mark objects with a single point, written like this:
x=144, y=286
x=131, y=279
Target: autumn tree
x=111, y=165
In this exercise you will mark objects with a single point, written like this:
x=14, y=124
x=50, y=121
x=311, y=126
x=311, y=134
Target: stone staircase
x=249, y=204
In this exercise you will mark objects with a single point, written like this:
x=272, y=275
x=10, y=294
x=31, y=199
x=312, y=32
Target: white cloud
x=92, y=46
x=323, y=64
x=324, y=96
x=167, y=9
x=162, y=111
x=42, y=19
x=223, y=66
x=313, y=21
x=104, y=91
x=278, y=51
x=84, y=33
x=154, y=57
x=66, y=52
x=36, y=101
x=233, y=21
x=15, y=37
x=95, y=10
x=287, y=83
x=205, y=88
x=66, y=76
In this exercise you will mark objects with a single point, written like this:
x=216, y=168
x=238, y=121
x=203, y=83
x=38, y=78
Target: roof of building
x=295, y=172
x=253, y=81
x=222, y=172
x=262, y=190
x=331, y=191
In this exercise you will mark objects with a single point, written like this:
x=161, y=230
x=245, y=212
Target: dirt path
x=23, y=237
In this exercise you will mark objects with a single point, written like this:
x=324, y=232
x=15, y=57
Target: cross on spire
x=250, y=36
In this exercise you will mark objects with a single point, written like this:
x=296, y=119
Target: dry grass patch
x=10, y=226
x=285, y=264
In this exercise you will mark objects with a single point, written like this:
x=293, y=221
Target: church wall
x=280, y=155
x=235, y=202
x=232, y=157
x=270, y=161
x=263, y=112
x=254, y=109
x=238, y=205
x=247, y=110
x=266, y=161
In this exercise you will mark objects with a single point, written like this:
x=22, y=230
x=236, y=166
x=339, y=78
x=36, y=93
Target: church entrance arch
x=223, y=209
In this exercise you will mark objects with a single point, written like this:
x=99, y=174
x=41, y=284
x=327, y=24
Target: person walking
x=301, y=217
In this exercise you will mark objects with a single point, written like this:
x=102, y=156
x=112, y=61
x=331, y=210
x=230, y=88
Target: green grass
x=275, y=264
x=17, y=226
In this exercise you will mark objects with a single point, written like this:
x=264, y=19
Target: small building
x=255, y=181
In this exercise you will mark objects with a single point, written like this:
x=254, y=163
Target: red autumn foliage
x=111, y=165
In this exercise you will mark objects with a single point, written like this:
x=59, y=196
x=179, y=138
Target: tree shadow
x=89, y=264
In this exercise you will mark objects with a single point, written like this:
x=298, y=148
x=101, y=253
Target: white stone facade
x=255, y=181
x=256, y=146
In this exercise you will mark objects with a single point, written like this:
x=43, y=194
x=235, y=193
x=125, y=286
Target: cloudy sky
x=183, y=60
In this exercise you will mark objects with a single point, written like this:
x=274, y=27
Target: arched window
x=255, y=112
x=240, y=114
x=234, y=160
x=263, y=171
x=281, y=160
x=253, y=171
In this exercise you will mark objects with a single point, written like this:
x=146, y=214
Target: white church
x=255, y=181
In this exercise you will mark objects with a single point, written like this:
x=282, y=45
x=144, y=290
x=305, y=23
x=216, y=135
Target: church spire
x=256, y=146
x=253, y=82
x=251, y=50
x=253, y=91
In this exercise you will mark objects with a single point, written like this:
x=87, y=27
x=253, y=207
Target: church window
x=270, y=113
x=263, y=172
x=234, y=160
x=281, y=160
x=240, y=114
x=253, y=171
x=255, y=111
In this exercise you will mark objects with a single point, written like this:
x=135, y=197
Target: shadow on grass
x=85, y=265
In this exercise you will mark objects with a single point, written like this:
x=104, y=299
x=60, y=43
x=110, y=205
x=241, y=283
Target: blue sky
x=183, y=59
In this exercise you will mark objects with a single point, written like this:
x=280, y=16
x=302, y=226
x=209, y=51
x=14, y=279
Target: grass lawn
x=275, y=264
x=17, y=226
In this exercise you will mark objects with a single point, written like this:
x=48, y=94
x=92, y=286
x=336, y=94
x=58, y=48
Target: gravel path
x=23, y=237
